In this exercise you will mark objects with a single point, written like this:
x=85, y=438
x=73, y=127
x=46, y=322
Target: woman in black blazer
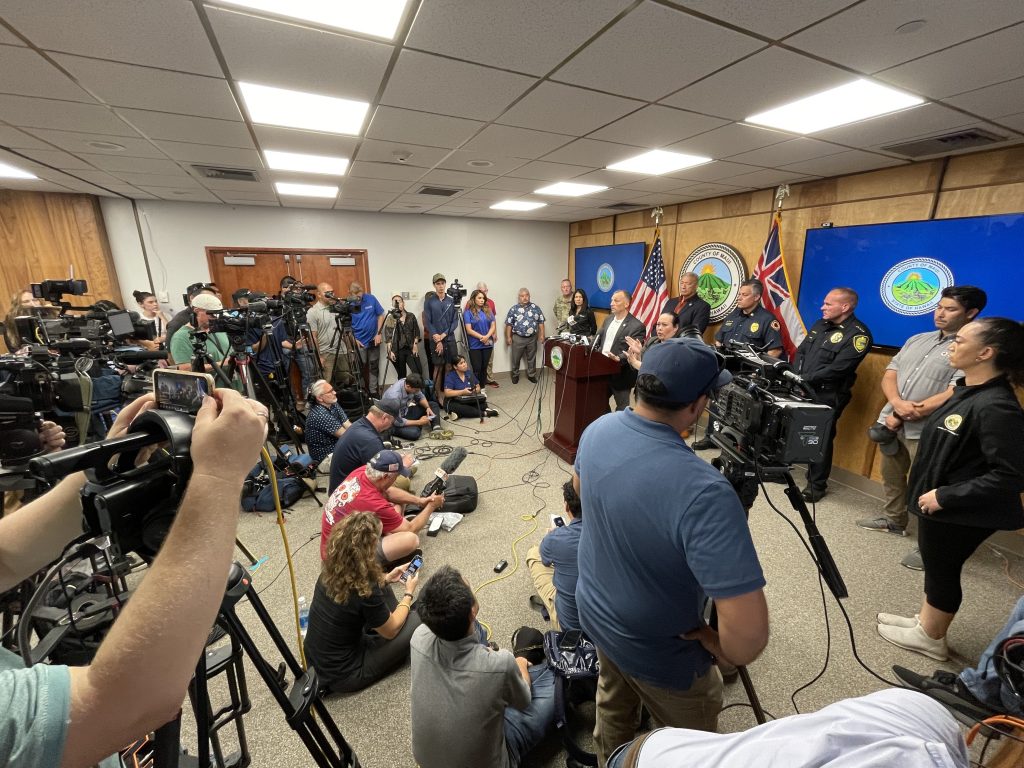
x=581, y=320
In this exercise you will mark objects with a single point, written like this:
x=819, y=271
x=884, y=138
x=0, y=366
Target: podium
x=581, y=392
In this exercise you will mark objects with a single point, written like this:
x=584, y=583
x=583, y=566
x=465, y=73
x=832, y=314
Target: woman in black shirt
x=967, y=478
x=358, y=633
x=581, y=318
x=403, y=349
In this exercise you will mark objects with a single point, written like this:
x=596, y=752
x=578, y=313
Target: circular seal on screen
x=720, y=270
x=914, y=286
x=556, y=357
x=605, y=277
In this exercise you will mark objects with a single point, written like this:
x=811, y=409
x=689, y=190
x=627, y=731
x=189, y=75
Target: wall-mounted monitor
x=900, y=269
x=603, y=269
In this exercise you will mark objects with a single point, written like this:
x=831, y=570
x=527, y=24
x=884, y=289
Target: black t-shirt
x=337, y=631
x=353, y=449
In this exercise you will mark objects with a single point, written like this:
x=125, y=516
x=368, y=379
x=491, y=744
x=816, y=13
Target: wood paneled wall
x=42, y=233
x=972, y=185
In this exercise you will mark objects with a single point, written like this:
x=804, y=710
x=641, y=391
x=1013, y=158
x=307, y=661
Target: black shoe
x=490, y=412
x=538, y=604
x=533, y=379
x=515, y=379
x=703, y=444
x=813, y=495
x=528, y=643
x=947, y=688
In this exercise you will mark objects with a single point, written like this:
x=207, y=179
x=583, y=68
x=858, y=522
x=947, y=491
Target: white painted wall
x=404, y=250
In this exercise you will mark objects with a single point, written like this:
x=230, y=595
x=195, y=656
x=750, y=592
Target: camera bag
x=258, y=496
x=460, y=494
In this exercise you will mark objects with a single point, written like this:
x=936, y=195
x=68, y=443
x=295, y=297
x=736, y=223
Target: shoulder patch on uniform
x=776, y=326
x=860, y=343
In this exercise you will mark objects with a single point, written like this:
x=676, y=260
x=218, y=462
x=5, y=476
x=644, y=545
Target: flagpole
x=781, y=193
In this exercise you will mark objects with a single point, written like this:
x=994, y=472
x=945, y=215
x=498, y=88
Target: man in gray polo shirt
x=323, y=322
x=917, y=381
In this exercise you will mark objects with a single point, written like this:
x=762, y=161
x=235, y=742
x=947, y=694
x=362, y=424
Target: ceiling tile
x=314, y=58
x=480, y=195
x=765, y=80
x=729, y=140
x=925, y=120
x=655, y=184
x=767, y=177
x=564, y=109
x=32, y=185
x=132, y=164
x=406, y=125
x=25, y=72
x=844, y=162
x=290, y=201
x=774, y=20
x=460, y=160
x=719, y=169
x=374, y=186
x=157, y=180
x=353, y=205
x=529, y=36
x=201, y=153
x=366, y=198
x=157, y=33
x=217, y=185
x=516, y=142
x=510, y=184
x=1014, y=121
x=592, y=153
x=445, y=210
x=993, y=101
x=74, y=142
x=9, y=38
x=264, y=194
x=126, y=85
x=190, y=195
x=18, y=139
x=388, y=152
x=709, y=189
x=100, y=178
x=234, y=201
x=463, y=179
x=62, y=115
x=792, y=151
x=198, y=130
x=434, y=84
x=306, y=142
x=655, y=126
x=57, y=159
x=544, y=171
x=865, y=37
x=654, y=50
x=386, y=171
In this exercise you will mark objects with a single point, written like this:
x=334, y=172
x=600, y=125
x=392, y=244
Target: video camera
x=457, y=291
x=766, y=414
x=395, y=311
x=344, y=307
x=54, y=290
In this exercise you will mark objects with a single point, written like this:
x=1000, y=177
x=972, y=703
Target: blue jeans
x=525, y=728
x=983, y=681
x=303, y=358
x=412, y=432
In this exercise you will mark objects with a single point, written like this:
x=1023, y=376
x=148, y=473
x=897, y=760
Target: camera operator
x=74, y=716
x=185, y=316
x=322, y=322
x=662, y=533
x=403, y=343
x=217, y=344
x=367, y=321
x=23, y=303
x=150, y=311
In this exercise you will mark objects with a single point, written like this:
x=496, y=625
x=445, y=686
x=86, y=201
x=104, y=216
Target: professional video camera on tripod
x=343, y=308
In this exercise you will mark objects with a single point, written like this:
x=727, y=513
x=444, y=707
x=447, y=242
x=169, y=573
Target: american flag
x=771, y=272
x=651, y=291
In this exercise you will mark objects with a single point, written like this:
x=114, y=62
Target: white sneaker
x=893, y=620
x=915, y=639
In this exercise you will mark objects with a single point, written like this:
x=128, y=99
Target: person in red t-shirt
x=363, y=491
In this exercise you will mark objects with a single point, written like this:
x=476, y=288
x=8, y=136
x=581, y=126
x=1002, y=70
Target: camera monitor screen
x=121, y=324
x=181, y=391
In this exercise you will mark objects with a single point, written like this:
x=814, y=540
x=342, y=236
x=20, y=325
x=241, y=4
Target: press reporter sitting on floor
x=366, y=490
x=74, y=716
x=415, y=414
x=553, y=563
x=358, y=632
x=325, y=423
x=459, y=382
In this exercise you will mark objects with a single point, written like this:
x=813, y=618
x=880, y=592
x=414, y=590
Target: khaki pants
x=329, y=362
x=619, y=697
x=895, y=471
x=543, y=581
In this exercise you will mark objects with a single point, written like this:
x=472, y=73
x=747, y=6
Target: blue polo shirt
x=353, y=449
x=664, y=529
x=364, y=322
x=560, y=548
x=480, y=323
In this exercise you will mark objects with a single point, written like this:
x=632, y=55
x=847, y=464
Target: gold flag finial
x=781, y=193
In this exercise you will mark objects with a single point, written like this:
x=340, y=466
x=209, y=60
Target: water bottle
x=303, y=615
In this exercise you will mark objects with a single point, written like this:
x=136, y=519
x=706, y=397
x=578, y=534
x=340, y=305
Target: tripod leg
x=755, y=703
x=245, y=551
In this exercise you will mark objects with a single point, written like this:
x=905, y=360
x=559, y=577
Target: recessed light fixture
x=294, y=161
x=10, y=172
x=848, y=103
x=658, y=161
x=106, y=146
x=569, y=189
x=305, y=190
x=309, y=111
x=480, y=163
x=379, y=18
x=517, y=205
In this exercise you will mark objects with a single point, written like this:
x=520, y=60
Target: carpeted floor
x=811, y=659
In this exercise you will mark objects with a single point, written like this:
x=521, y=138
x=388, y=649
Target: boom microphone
x=449, y=465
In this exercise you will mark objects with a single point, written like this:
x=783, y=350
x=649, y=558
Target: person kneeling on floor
x=416, y=414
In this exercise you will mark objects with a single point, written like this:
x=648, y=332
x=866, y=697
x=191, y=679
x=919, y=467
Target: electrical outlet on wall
x=163, y=297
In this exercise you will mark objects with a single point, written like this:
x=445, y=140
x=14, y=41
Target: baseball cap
x=437, y=277
x=207, y=301
x=389, y=461
x=686, y=367
x=389, y=405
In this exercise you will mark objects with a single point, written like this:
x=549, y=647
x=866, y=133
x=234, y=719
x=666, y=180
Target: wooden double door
x=261, y=269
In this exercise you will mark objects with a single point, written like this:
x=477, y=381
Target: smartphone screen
x=569, y=640
x=181, y=391
x=413, y=567
x=557, y=521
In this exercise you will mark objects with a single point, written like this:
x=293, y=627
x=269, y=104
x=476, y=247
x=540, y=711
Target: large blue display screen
x=603, y=269
x=900, y=269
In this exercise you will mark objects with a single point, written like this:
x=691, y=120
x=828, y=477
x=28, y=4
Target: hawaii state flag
x=771, y=272
x=651, y=291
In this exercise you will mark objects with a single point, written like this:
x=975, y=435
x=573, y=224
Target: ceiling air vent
x=950, y=142
x=439, y=191
x=622, y=206
x=226, y=174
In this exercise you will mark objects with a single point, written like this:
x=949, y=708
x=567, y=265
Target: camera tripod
x=359, y=370
x=303, y=706
x=413, y=361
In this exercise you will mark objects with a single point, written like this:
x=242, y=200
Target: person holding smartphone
x=358, y=632
x=553, y=563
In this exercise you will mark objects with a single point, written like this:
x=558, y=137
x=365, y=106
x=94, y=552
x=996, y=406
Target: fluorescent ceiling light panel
x=305, y=190
x=658, y=161
x=848, y=103
x=10, y=172
x=517, y=205
x=309, y=111
x=379, y=18
x=293, y=161
x=568, y=189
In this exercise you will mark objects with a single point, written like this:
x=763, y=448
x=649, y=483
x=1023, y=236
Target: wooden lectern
x=581, y=392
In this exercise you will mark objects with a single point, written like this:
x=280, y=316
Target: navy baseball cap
x=388, y=405
x=389, y=461
x=688, y=368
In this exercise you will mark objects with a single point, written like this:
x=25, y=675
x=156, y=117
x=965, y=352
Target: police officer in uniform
x=827, y=360
x=749, y=323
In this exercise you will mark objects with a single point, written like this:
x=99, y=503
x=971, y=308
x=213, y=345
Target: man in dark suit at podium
x=611, y=341
x=690, y=308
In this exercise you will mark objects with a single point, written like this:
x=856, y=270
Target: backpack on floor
x=460, y=495
x=258, y=496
